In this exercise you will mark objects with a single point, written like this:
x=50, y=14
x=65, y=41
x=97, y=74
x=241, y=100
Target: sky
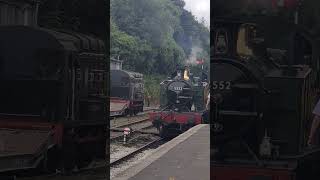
x=199, y=8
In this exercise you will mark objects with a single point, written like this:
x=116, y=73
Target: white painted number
x=177, y=88
x=221, y=85
x=228, y=84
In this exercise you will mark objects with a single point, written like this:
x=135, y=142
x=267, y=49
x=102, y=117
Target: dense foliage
x=152, y=90
x=153, y=36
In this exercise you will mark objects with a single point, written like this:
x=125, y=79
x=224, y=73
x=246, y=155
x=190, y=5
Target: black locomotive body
x=260, y=109
x=129, y=86
x=176, y=94
x=181, y=103
x=52, y=98
x=182, y=92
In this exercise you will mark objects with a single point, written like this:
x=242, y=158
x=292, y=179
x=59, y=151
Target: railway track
x=128, y=121
x=116, y=134
x=133, y=153
x=133, y=121
x=141, y=113
x=114, y=120
x=136, y=123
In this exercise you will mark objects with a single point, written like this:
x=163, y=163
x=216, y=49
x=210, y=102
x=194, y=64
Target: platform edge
x=163, y=149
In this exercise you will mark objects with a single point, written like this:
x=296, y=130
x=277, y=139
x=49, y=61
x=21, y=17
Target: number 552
x=221, y=85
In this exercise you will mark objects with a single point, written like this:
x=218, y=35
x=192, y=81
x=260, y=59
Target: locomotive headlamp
x=185, y=75
x=177, y=101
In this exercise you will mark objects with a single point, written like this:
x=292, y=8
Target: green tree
x=153, y=36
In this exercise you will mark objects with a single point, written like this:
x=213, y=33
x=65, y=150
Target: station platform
x=186, y=157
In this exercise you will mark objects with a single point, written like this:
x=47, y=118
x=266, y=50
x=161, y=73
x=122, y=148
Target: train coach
x=262, y=101
x=126, y=92
x=52, y=99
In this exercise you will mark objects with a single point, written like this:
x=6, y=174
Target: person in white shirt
x=315, y=123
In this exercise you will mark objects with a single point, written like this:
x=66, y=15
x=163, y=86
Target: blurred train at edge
x=52, y=96
x=264, y=85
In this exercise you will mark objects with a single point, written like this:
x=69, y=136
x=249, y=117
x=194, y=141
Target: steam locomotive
x=182, y=101
x=261, y=101
x=127, y=92
x=52, y=99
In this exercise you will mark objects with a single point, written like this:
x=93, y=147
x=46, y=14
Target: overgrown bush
x=152, y=88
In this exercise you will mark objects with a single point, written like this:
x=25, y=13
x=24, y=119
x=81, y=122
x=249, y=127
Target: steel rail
x=130, y=155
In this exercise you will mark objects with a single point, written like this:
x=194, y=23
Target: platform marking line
x=159, y=152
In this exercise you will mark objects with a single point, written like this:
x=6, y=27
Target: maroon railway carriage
x=52, y=99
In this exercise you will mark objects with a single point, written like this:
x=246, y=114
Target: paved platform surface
x=186, y=157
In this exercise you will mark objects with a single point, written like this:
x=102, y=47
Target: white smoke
x=192, y=60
